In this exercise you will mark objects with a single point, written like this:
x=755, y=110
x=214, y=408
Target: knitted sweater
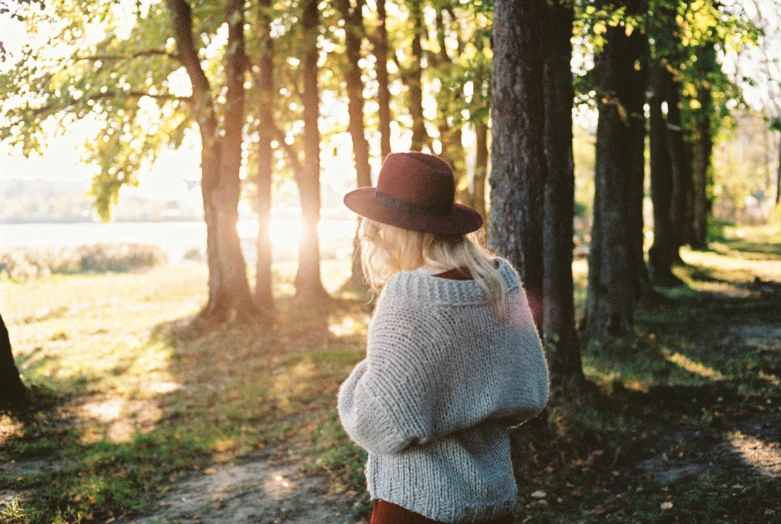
x=442, y=381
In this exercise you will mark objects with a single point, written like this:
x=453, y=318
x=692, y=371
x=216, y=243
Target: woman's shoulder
x=420, y=287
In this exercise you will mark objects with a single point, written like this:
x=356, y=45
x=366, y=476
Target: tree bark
x=559, y=307
x=264, y=295
x=638, y=80
x=778, y=173
x=481, y=167
x=309, y=285
x=663, y=252
x=518, y=174
x=680, y=157
x=703, y=147
x=450, y=134
x=383, y=89
x=12, y=391
x=610, y=298
x=231, y=258
x=228, y=286
x=481, y=102
x=415, y=77
x=353, y=28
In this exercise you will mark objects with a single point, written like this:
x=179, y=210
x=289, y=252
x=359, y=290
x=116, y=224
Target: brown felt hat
x=415, y=191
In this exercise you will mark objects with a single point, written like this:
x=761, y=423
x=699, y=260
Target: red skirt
x=384, y=512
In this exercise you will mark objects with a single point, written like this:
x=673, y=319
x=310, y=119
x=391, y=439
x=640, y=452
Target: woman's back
x=443, y=379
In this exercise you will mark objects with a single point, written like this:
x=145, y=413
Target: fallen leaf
x=209, y=471
x=598, y=511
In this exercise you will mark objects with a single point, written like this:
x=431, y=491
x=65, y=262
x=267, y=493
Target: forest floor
x=140, y=418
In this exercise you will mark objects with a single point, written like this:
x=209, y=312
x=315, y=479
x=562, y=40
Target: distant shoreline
x=326, y=214
x=90, y=221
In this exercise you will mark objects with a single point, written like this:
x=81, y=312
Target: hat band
x=411, y=207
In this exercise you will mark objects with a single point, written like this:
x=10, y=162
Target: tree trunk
x=353, y=28
x=681, y=169
x=309, y=285
x=383, y=90
x=415, y=77
x=231, y=257
x=450, y=134
x=12, y=391
x=264, y=294
x=518, y=150
x=638, y=80
x=703, y=147
x=559, y=307
x=610, y=297
x=663, y=252
x=481, y=103
x=778, y=173
x=481, y=167
x=228, y=286
x=218, y=307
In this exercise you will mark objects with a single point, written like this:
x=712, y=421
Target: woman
x=453, y=357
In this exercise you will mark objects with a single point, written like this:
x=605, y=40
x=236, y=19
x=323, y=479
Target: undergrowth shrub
x=22, y=263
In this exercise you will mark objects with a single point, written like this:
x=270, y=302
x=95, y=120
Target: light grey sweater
x=442, y=381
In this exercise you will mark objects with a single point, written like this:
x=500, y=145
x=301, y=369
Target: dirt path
x=744, y=442
x=260, y=491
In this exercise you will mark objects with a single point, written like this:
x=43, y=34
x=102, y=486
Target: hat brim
x=460, y=221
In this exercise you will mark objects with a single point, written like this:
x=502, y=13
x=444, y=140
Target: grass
x=131, y=401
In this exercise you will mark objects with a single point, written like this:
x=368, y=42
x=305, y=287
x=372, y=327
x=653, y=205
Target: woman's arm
x=365, y=419
x=414, y=387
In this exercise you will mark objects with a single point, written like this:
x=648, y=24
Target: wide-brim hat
x=415, y=191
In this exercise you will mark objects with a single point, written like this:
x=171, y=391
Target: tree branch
x=139, y=94
x=137, y=54
x=113, y=94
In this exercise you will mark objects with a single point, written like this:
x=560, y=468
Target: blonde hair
x=386, y=250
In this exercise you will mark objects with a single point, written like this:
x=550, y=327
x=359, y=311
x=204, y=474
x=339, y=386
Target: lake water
x=176, y=238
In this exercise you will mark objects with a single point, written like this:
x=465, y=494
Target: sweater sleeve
x=533, y=375
x=373, y=407
x=364, y=417
x=414, y=386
